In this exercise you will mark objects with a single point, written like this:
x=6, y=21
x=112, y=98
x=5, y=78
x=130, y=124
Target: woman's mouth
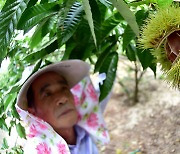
x=66, y=112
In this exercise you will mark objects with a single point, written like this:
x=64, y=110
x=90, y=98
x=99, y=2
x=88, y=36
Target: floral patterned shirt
x=41, y=137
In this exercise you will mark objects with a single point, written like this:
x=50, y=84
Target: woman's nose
x=61, y=99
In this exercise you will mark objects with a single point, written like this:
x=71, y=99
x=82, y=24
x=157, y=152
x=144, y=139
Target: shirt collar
x=80, y=133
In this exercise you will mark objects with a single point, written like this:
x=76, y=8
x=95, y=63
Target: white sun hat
x=72, y=70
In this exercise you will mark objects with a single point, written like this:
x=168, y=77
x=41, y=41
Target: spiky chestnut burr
x=161, y=34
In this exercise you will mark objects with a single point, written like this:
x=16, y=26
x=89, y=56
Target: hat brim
x=72, y=70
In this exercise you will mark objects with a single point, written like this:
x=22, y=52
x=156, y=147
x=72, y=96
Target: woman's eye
x=47, y=94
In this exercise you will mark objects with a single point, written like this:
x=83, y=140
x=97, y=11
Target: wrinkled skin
x=54, y=102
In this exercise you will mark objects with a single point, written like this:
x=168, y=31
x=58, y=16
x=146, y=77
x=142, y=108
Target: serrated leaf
x=9, y=17
x=20, y=130
x=70, y=24
x=88, y=12
x=35, y=14
x=69, y=4
x=109, y=67
x=127, y=14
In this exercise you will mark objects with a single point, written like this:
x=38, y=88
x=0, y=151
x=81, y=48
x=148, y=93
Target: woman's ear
x=31, y=110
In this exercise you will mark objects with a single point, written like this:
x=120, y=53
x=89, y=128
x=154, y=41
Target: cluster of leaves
x=17, y=149
x=91, y=30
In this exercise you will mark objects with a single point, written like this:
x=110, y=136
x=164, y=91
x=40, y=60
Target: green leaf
x=68, y=6
x=3, y=124
x=68, y=50
x=47, y=49
x=126, y=13
x=14, y=89
x=83, y=41
x=109, y=67
x=5, y=144
x=36, y=68
x=14, y=112
x=50, y=26
x=35, y=56
x=141, y=15
x=9, y=17
x=31, y=3
x=110, y=24
x=153, y=67
x=100, y=61
x=131, y=52
x=9, y=100
x=36, y=14
x=164, y=3
x=37, y=36
x=102, y=57
x=45, y=1
x=21, y=131
x=71, y=23
x=127, y=36
x=145, y=57
x=106, y=3
x=96, y=14
x=88, y=51
x=88, y=12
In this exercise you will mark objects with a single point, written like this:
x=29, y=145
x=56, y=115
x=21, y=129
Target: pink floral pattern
x=18, y=110
x=92, y=93
x=83, y=97
x=61, y=148
x=77, y=87
x=79, y=116
x=44, y=140
x=104, y=133
x=33, y=131
x=76, y=100
x=92, y=120
x=43, y=148
x=42, y=126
